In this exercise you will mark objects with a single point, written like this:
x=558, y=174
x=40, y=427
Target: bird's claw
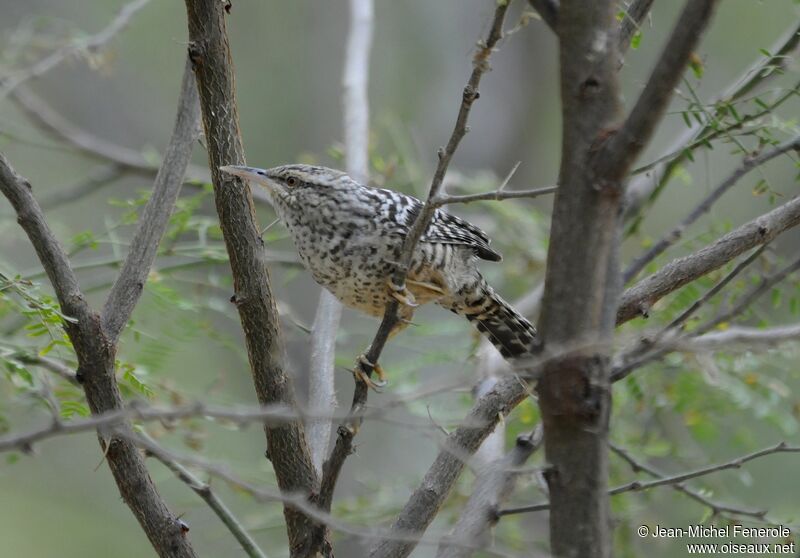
x=401, y=294
x=364, y=377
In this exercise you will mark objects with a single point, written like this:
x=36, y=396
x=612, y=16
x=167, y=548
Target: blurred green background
x=185, y=342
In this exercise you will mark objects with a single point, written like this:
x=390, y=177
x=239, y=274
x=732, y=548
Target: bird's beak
x=253, y=174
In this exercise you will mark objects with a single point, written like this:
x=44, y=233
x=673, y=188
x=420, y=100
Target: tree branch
x=636, y=486
x=648, y=185
x=219, y=508
x=287, y=447
x=638, y=299
x=497, y=195
x=322, y=394
x=635, y=13
x=97, y=178
x=751, y=337
x=715, y=507
x=749, y=163
x=347, y=431
x=91, y=43
x=155, y=216
x=44, y=116
x=623, y=147
x=96, y=367
x=492, y=487
x=427, y=499
x=581, y=286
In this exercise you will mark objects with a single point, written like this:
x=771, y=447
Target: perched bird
x=350, y=236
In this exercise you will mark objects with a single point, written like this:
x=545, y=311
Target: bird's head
x=291, y=182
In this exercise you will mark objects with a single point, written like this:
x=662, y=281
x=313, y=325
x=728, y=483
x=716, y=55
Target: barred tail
x=509, y=331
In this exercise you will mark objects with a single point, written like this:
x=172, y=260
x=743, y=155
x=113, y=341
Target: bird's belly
x=369, y=296
x=357, y=278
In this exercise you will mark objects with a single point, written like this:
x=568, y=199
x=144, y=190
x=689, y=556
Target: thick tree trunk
x=287, y=448
x=581, y=288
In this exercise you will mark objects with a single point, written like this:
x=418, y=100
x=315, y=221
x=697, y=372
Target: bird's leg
x=360, y=374
x=401, y=294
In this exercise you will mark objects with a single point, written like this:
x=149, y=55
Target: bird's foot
x=361, y=375
x=401, y=294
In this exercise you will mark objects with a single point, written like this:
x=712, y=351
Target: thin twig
x=715, y=507
x=203, y=490
x=497, y=195
x=749, y=163
x=748, y=337
x=636, y=486
x=697, y=304
x=347, y=431
x=96, y=372
x=57, y=367
x=658, y=350
x=44, y=116
x=99, y=177
x=646, y=187
x=92, y=44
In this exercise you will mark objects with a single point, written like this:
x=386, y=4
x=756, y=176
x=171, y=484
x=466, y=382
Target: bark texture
x=287, y=448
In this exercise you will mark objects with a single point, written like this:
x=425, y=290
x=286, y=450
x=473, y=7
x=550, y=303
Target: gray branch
x=96, y=372
x=91, y=43
x=647, y=185
x=638, y=299
x=494, y=485
x=749, y=163
x=347, y=431
x=322, y=393
x=428, y=498
x=213, y=501
x=624, y=146
x=44, y=116
x=635, y=13
x=154, y=218
x=287, y=446
x=715, y=507
x=637, y=486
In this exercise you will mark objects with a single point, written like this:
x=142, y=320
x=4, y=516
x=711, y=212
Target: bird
x=349, y=236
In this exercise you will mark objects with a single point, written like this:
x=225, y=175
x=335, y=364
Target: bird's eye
x=291, y=181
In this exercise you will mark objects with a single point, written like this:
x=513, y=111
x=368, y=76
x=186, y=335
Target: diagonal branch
x=704, y=206
x=637, y=486
x=96, y=369
x=44, y=116
x=428, y=498
x=90, y=43
x=715, y=507
x=638, y=299
x=346, y=432
x=203, y=490
x=634, y=15
x=287, y=447
x=645, y=187
x=154, y=219
x=621, y=150
x=493, y=486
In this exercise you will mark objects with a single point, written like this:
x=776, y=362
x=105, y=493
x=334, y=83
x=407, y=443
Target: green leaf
x=636, y=40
